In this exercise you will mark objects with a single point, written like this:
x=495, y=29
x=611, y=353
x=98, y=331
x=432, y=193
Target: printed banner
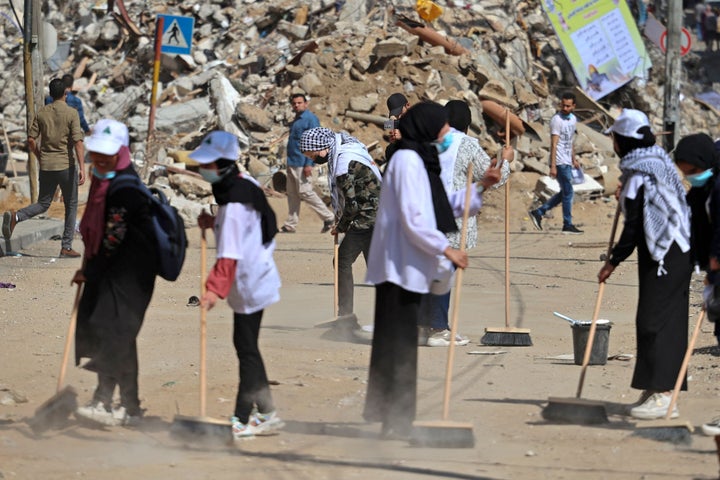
x=601, y=41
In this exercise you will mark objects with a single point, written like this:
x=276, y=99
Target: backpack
x=168, y=226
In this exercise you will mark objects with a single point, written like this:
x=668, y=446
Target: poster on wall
x=601, y=41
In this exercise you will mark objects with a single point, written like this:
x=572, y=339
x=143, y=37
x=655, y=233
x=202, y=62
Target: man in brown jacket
x=58, y=127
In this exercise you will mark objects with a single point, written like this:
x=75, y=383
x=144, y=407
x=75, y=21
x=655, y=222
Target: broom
x=202, y=428
x=667, y=430
x=55, y=411
x=507, y=336
x=579, y=410
x=445, y=433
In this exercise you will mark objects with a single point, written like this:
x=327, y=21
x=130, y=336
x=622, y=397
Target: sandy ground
x=320, y=383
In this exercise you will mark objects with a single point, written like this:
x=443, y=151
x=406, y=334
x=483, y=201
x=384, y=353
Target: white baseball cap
x=215, y=145
x=107, y=137
x=628, y=123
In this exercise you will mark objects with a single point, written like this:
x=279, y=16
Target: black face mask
x=321, y=160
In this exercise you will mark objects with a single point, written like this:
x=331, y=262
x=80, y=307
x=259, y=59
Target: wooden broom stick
x=456, y=297
x=507, y=226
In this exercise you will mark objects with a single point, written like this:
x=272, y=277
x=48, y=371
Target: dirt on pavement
x=319, y=383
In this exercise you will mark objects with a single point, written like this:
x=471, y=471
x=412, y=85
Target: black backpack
x=168, y=226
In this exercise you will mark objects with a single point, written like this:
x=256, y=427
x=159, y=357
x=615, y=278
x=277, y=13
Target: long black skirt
x=392, y=381
x=662, y=320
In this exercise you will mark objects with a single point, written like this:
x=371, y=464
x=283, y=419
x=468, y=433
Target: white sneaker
x=265, y=423
x=654, y=407
x=712, y=428
x=122, y=418
x=96, y=412
x=442, y=339
x=242, y=431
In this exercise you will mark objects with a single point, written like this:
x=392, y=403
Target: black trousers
x=392, y=381
x=126, y=381
x=253, y=388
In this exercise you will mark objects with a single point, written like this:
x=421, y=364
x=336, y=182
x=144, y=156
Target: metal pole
x=29, y=43
x=159, y=25
x=673, y=65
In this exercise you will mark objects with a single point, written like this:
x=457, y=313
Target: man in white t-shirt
x=562, y=162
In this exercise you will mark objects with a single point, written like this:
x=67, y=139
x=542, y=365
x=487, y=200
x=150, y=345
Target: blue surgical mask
x=699, y=179
x=444, y=144
x=103, y=176
x=211, y=175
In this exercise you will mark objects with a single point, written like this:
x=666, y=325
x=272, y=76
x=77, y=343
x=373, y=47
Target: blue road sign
x=177, y=34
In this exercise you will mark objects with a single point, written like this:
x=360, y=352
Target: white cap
x=628, y=123
x=215, y=145
x=107, y=137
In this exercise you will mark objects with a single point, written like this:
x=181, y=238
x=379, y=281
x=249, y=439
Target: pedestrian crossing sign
x=176, y=34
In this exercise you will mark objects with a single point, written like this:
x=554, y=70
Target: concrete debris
x=248, y=57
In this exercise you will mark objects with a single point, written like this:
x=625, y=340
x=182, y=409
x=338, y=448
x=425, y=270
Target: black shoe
x=572, y=229
x=327, y=226
x=536, y=219
x=286, y=229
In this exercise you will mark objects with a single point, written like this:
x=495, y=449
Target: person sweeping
x=697, y=158
x=244, y=273
x=118, y=274
x=408, y=252
x=657, y=224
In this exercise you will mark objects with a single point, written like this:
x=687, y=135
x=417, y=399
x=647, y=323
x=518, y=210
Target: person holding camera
x=699, y=161
x=397, y=105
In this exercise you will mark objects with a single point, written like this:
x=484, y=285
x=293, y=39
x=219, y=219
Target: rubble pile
x=347, y=56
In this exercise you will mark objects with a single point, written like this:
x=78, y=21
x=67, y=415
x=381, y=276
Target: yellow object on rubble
x=428, y=10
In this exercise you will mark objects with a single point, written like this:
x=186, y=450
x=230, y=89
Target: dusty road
x=320, y=382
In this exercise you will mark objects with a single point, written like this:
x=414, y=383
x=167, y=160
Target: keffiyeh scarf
x=666, y=217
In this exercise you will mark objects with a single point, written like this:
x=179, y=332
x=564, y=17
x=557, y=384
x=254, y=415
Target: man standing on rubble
x=299, y=170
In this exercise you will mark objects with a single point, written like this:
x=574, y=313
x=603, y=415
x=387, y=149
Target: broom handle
x=684, y=366
x=69, y=338
x=591, y=338
x=203, y=325
x=596, y=312
x=507, y=227
x=336, y=276
x=456, y=297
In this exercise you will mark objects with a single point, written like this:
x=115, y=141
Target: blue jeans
x=434, y=311
x=564, y=178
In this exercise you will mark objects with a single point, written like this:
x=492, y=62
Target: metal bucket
x=599, y=352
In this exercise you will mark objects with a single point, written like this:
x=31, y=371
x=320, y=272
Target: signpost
x=177, y=34
x=173, y=35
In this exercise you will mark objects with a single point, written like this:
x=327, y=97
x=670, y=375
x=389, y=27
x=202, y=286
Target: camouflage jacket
x=359, y=194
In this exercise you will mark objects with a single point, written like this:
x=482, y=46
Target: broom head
x=507, y=337
x=55, y=411
x=203, y=430
x=575, y=410
x=678, y=432
x=442, y=434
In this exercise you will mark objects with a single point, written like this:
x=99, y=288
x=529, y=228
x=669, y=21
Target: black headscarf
x=232, y=188
x=419, y=127
x=699, y=151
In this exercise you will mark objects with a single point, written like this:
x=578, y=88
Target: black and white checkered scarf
x=342, y=148
x=666, y=216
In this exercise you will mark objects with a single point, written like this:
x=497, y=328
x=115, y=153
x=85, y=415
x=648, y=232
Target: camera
x=391, y=124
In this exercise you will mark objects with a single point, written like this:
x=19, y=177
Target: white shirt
x=565, y=129
x=406, y=247
x=239, y=237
